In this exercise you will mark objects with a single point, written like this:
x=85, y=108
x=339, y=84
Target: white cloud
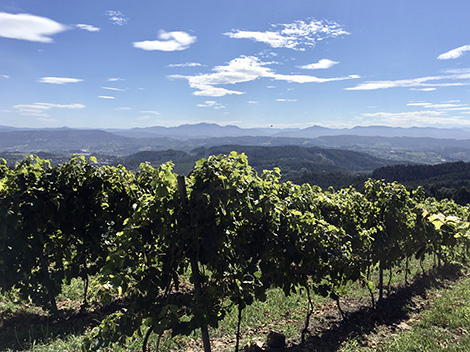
x=115, y=79
x=168, y=41
x=297, y=35
x=106, y=97
x=244, y=69
x=116, y=17
x=40, y=109
x=150, y=112
x=437, y=106
x=455, y=53
x=462, y=109
x=59, y=80
x=322, y=64
x=187, y=64
x=310, y=79
x=287, y=100
x=4, y=76
x=418, y=104
x=88, y=27
x=114, y=89
x=444, y=114
x=457, y=71
x=211, y=104
x=33, y=28
x=252, y=102
x=416, y=118
x=423, y=89
x=122, y=108
x=415, y=82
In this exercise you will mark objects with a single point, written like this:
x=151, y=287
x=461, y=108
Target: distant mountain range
x=206, y=130
x=416, y=144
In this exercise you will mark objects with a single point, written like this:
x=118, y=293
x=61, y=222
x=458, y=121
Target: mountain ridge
x=211, y=130
x=426, y=148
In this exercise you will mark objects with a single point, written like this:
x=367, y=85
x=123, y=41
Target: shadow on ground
x=368, y=326
x=328, y=332
x=22, y=330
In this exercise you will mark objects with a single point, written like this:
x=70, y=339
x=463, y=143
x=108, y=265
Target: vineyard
x=184, y=251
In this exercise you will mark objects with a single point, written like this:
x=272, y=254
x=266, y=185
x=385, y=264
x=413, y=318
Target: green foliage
x=184, y=252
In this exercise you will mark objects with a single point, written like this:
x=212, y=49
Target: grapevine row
x=236, y=232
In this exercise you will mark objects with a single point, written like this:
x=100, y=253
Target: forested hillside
x=324, y=167
x=421, y=145
x=446, y=180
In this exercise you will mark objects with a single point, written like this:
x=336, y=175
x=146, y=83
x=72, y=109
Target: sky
x=256, y=63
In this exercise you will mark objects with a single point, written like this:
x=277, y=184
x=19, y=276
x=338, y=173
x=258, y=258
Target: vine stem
x=146, y=338
x=381, y=282
x=310, y=308
x=196, y=275
x=340, y=309
x=406, y=270
x=237, y=345
x=85, y=289
x=372, y=299
x=48, y=283
x=389, y=280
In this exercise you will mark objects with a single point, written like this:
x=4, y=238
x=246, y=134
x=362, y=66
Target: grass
x=444, y=326
x=24, y=327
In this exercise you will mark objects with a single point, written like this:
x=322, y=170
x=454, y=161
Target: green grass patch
x=24, y=327
x=444, y=326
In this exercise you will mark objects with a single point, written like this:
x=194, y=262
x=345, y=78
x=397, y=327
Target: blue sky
x=257, y=63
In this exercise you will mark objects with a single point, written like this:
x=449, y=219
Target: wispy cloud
x=423, y=89
x=286, y=100
x=116, y=17
x=454, y=53
x=106, y=97
x=40, y=109
x=415, y=118
x=298, y=35
x=322, y=64
x=458, y=71
x=4, y=76
x=114, y=89
x=115, y=79
x=415, y=82
x=437, y=106
x=59, y=80
x=150, y=112
x=88, y=27
x=187, y=64
x=244, y=69
x=122, y=108
x=252, y=102
x=33, y=28
x=168, y=41
x=211, y=104
x=442, y=114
